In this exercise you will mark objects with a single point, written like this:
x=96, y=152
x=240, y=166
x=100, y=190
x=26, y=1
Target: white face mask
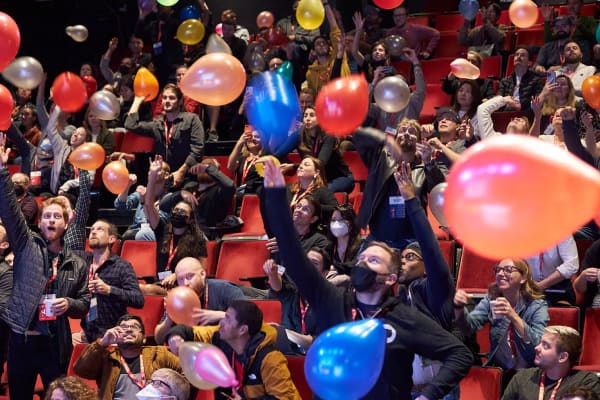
x=338, y=228
x=152, y=393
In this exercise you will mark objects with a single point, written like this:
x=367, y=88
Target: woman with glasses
x=515, y=308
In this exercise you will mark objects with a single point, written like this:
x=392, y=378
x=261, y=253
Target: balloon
x=257, y=61
x=436, y=202
x=6, y=108
x=392, y=94
x=271, y=95
x=188, y=352
x=147, y=5
x=336, y=366
x=590, y=89
x=286, y=70
x=388, y=4
x=78, y=33
x=264, y=19
x=89, y=156
x=212, y=366
x=10, y=39
x=310, y=14
x=513, y=196
x=69, y=92
x=218, y=31
x=189, y=12
x=190, y=31
x=105, y=105
x=523, y=13
x=598, y=34
x=275, y=36
x=145, y=84
x=259, y=165
x=463, y=69
x=24, y=72
x=394, y=45
x=115, y=177
x=181, y=301
x=90, y=85
x=342, y=105
x=167, y=3
x=468, y=9
x=215, y=79
x=216, y=44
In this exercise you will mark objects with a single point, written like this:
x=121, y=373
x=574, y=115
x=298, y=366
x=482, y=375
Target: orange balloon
x=69, y=92
x=181, y=301
x=115, y=177
x=145, y=84
x=591, y=91
x=463, y=69
x=523, y=13
x=264, y=19
x=89, y=156
x=342, y=105
x=514, y=196
x=215, y=79
x=6, y=108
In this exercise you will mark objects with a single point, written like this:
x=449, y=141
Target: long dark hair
x=192, y=242
x=475, y=94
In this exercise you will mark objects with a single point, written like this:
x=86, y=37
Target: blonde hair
x=567, y=340
x=551, y=104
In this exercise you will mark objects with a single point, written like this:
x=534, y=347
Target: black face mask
x=178, y=221
x=124, y=69
x=362, y=277
x=19, y=190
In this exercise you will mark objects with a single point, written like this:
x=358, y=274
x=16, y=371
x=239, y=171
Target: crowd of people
x=329, y=262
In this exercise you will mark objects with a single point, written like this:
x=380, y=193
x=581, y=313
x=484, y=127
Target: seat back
x=271, y=310
x=357, y=166
x=142, y=255
x=210, y=266
x=448, y=46
x=250, y=214
x=151, y=313
x=436, y=69
x=296, y=367
x=241, y=259
x=530, y=37
x=222, y=160
x=435, y=98
x=475, y=272
x=567, y=316
x=481, y=383
x=448, y=248
x=135, y=143
x=77, y=350
x=491, y=66
x=590, y=348
x=419, y=19
x=449, y=22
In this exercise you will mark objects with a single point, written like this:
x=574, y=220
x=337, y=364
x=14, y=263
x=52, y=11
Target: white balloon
x=78, y=33
x=436, y=202
x=24, y=72
x=188, y=351
x=392, y=94
x=105, y=105
x=216, y=44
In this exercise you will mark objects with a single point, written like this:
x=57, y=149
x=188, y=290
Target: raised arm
x=75, y=235
x=153, y=177
x=359, y=23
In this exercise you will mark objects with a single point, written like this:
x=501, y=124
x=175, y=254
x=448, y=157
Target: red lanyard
x=94, y=267
x=247, y=165
x=54, y=273
x=168, y=131
x=172, y=252
x=140, y=382
x=511, y=341
x=299, y=196
x=238, y=368
x=541, y=392
x=205, y=295
x=303, y=311
x=316, y=147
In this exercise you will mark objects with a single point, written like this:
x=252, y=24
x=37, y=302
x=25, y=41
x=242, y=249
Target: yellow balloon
x=310, y=14
x=259, y=164
x=190, y=31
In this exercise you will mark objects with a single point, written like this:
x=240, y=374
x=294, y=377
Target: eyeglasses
x=130, y=327
x=411, y=130
x=412, y=257
x=505, y=270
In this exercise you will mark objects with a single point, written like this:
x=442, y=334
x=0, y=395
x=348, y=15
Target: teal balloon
x=286, y=70
x=598, y=34
x=468, y=9
x=345, y=361
x=167, y=3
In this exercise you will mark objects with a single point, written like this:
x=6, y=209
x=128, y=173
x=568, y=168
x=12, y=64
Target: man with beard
x=383, y=208
x=112, y=283
x=551, y=54
x=25, y=199
x=122, y=370
x=521, y=85
x=573, y=67
x=178, y=136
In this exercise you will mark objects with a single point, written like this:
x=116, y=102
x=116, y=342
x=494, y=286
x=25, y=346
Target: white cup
x=48, y=307
x=492, y=309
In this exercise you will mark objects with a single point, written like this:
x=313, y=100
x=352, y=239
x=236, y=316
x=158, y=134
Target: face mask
x=151, y=393
x=338, y=228
x=178, y=221
x=362, y=277
x=19, y=190
x=124, y=69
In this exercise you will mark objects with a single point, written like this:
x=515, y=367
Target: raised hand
x=404, y=181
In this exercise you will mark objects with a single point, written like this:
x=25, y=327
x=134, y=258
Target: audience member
x=166, y=383
x=70, y=388
x=6, y=284
x=523, y=83
x=301, y=39
x=573, y=67
x=422, y=39
x=345, y=237
x=487, y=38
x=242, y=162
x=26, y=200
x=311, y=182
x=584, y=25
x=486, y=85
x=29, y=127
x=588, y=281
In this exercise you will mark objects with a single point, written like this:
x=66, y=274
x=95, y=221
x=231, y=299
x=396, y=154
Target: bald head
x=190, y=273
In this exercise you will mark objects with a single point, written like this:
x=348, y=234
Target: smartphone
x=551, y=77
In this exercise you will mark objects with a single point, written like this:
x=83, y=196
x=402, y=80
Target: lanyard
x=238, y=368
x=54, y=273
x=303, y=311
x=316, y=146
x=139, y=382
x=168, y=131
x=172, y=252
x=299, y=196
x=541, y=392
x=95, y=267
x=247, y=165
x=205, y=296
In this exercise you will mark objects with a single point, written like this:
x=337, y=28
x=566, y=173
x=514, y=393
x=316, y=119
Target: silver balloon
x=216, y=44
x=257, y=61
x=188, y=351
x=394, y=45
x=436, y=202
x=24, y=72
x=78, y=33
x=105, y=105
x=392, y=94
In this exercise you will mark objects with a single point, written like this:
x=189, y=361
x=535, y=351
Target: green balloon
x=286, y=70
x=167, y=3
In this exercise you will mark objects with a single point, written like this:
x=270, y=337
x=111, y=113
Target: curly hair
x=72, y=387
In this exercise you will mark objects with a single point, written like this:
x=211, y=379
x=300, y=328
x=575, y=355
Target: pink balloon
x=463, y=69
x=212, y=366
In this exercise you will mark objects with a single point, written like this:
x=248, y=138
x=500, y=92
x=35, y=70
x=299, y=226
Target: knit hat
x=414, y=246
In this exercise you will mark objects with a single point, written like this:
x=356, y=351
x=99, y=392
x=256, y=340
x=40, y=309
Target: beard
x=573, y=59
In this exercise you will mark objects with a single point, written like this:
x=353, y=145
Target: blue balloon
x=345, y=361
x=468, y=9
x=598, y=34
x=273, y=110
x=189, y=12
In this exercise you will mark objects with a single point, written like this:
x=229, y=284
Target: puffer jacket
x=30, y=264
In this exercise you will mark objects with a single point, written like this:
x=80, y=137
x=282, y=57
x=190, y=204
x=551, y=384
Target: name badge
x=396, y=207
x=93, y=313
x=45, y=308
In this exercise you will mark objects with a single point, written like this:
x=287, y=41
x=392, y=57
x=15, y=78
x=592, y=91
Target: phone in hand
x=551, y=77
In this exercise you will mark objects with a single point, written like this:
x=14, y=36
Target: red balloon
x=514, y=196
x=264, y=19
x=10, y=40
x=115, y=177
x=69, y=92
x=591, y=91
x=181, y=301
x=388, y=4
x=89, y=156
x=342, y=105
x=6, y=108
x=275, y=36
x=91, y=86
